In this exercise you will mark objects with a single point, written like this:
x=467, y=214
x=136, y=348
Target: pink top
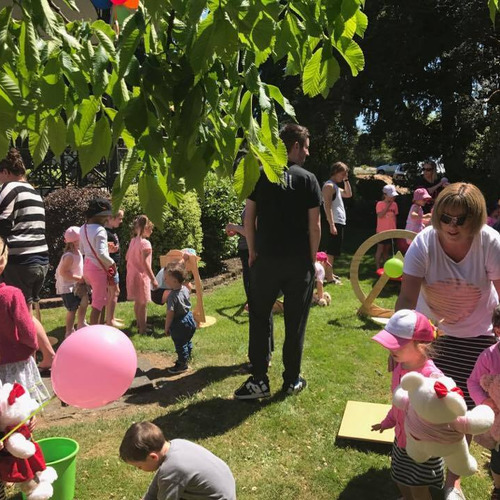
x=388, y=221
x=18, y=338
x=488, y=363
x=417, y=224
x=138, y=281
x=396, y=417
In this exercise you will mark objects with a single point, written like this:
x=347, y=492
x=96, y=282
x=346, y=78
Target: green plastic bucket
x=60, y=453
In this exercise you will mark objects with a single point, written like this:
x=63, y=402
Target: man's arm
x=314, y=231
x=347, y=191
x=328, y=193
x=249, y=224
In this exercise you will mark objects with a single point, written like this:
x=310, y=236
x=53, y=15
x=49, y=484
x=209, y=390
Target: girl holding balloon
x=140, y=276
x=386, y=210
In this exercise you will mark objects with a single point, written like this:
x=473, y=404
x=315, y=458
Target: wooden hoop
x=368, y=307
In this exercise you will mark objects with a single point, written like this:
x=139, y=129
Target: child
x=488, y=362
x=386, y=210
x=179, y=323
x=493, y=213
x=408, y=336
x=184, y=469
x=139, y=272
x=111, y=226
x=69, y=272
x=18, y=338
x=321, y=297
x=417, y=220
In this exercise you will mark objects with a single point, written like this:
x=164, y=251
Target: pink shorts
x=97, y=279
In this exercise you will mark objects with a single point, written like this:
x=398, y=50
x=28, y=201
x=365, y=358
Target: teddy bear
x=491, y=438
x=322, y=301
x=21, y=460
x=437, y=420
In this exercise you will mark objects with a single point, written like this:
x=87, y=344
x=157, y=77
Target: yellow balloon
x=393, y=268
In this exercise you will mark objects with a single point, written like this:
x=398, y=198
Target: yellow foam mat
x=358, y=420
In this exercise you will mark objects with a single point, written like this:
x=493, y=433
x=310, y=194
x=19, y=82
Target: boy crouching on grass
x=184, y=469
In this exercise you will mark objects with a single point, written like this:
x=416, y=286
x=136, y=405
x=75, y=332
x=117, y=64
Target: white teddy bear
x=22, y=460
x=437, y=420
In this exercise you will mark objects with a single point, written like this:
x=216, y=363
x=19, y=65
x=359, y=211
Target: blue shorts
x=71, y=301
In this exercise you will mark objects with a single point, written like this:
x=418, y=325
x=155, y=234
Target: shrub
x=219, y=206
x=63, y=208
x=182, y=227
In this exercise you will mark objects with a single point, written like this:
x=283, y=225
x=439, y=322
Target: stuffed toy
x=437, y=420
x=491, y=438
x=21, y=460
x=322, y=301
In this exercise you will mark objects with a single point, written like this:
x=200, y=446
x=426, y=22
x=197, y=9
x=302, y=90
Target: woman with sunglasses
x=452, y=275
x=431, y=182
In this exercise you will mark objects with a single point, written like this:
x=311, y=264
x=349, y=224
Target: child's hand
x=167, y=333
x=155, y=283
x=377, y=427
x=1, y=445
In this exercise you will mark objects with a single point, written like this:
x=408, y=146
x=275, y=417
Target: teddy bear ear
x=486, y=381
x=412, y=381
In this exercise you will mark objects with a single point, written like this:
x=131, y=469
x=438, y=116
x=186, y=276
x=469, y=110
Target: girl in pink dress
x=139, y=272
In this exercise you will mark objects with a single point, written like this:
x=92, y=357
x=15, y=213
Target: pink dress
x=138, y=281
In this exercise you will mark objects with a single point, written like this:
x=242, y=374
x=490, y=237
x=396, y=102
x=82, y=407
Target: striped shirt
x=21, y=203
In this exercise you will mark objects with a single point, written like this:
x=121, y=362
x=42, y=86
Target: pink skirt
x=96, y=277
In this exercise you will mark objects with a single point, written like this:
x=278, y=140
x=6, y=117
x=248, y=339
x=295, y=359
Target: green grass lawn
x=280, y=448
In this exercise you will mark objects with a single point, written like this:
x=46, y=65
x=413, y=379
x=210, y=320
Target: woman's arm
x=410, y=290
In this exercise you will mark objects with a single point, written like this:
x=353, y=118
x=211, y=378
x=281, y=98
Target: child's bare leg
x=319, y=289
x=329, y=269
x=94, y=316
x=113, y=292
x=70, y=322
x=82, y=311
x=140, y=310
x=378, y=255
x=420, y=493
x=44, y=345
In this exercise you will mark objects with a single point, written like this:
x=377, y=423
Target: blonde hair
x=71, y=246
x=461, y=197
x=139, y=225
x=4, y=253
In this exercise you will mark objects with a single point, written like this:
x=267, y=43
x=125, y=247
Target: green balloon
x=393, y=268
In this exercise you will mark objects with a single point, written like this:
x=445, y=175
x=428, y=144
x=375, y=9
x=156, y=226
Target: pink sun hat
x=404, y=326
x=72, y=234
x=322, y=257
x=421, y=194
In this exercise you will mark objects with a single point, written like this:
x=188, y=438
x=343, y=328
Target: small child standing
x=179, y=323
x=18, y=339
x=417, y=220
x=488, y=362
x=69, y=273
x=386, y=210
x=139, y=272
x=184, y=469
x=408, y=336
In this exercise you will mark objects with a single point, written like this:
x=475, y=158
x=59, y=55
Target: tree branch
x=58, y=10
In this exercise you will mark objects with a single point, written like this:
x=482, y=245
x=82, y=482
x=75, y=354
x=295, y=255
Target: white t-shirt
x=338, y=209
x=461, y=293
x=319, y=271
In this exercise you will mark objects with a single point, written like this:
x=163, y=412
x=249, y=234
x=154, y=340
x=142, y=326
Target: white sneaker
x=454, y=494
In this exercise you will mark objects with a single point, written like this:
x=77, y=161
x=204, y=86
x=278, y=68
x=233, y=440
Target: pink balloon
x=93, y=366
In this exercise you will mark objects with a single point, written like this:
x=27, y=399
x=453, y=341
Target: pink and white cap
x=421, y=194
x=404, y=326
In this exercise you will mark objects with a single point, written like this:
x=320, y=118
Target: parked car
x=406, y=173
x=388, y=169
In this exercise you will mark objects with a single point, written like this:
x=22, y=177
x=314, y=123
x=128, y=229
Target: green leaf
x=39, y=143
x=129, y=170
x=129, y=40
x=136, y=117
x=361, y=23
x=105, y=37
x=56, y=134
x=86, y=119
x=352, y=53
x=263, y=31
x=11, y=89
x=320, y=74
x=29, y=57
x=202, y=54
x=276, y=94
x=95, y=146
x=153, y=199
x=52, y=87
x=5, y=14
x=48, y=16
x=75, y=76
x=494, y=7
x=7, y=113
x=246, y=176
x=4, y=143
x=100, y=76
x=225, y=37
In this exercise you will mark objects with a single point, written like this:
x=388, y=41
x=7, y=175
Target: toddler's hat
x=421, y=194
x=72, y=234
x=322, y=257
x=404, y=326
x=389, y=190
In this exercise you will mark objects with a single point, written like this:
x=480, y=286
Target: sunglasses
x=457, y=221
x=428, y=169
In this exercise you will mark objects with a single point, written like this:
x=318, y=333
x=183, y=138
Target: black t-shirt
x=113, y=238
x=282, y=212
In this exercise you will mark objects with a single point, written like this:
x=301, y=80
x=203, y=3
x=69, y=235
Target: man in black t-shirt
x=282, y=224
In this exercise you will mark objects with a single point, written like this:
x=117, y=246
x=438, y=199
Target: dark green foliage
x=182, y=227
x=219, y=207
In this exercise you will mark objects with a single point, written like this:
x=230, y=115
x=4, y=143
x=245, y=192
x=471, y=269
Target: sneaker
x=253, y=389
x=454, y=494
x=495, y=494
x=178, y=368
x=296, y=387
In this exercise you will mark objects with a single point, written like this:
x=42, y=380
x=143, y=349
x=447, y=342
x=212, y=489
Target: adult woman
x=21, y=207
x=452, y=275
x=431, y=182
x=94, y=246
x=333, y=216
